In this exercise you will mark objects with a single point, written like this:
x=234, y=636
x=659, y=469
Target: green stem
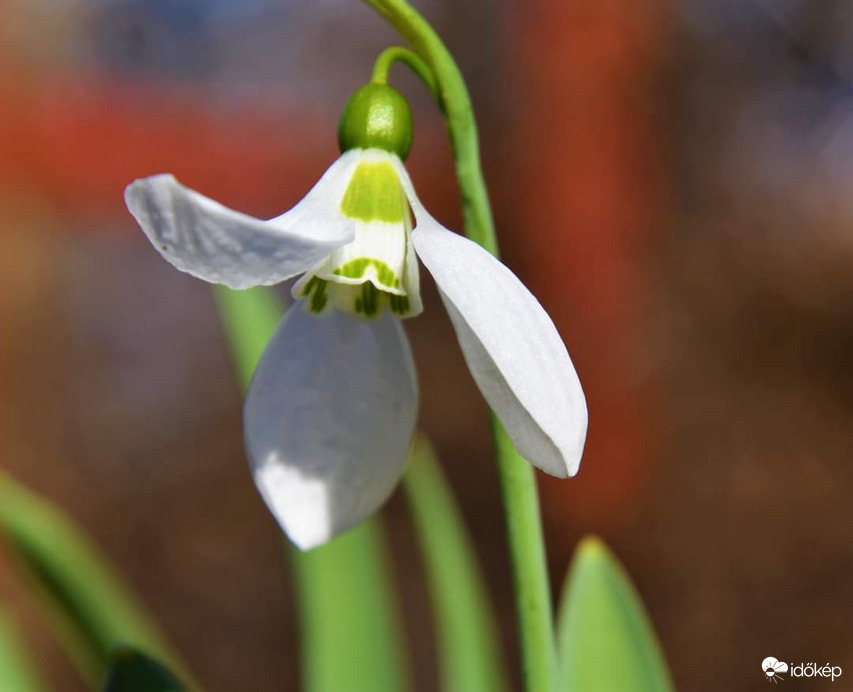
x=518, y=482
x=456, y=105
x=530, y=566
x=389, y=56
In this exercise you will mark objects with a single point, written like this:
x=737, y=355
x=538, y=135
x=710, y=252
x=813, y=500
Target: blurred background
x=671, y=178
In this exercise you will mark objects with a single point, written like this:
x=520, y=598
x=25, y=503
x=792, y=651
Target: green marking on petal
x=316, y=292
x=355, y=269
x=399, y=304
x=365, y=299
x=309, y=286
x=369, y=299
x=374, y=194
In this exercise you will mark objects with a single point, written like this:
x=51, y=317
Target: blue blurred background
x=672, y=179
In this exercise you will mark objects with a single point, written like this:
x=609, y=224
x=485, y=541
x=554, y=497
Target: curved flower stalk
x=331, y=410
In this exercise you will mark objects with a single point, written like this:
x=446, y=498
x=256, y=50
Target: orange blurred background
x=670, y=178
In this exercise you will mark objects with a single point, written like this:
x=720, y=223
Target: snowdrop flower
x=331, y=409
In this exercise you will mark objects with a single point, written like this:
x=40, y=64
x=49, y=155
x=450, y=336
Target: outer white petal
x=212, y=242
x=328, y=420
x=510, y=344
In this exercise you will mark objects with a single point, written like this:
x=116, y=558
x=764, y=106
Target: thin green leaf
x=351, y=638
x=133, y=671
x=350, y=632
x=17, y=672
x=249, y=319
x=606, y=640
x=92, y=611
x=468, y=648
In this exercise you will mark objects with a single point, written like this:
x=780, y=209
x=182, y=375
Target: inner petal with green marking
x=378, y=269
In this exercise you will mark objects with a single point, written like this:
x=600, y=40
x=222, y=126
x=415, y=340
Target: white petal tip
x=305, y=522
x=558, y=454
x=560, y=464
x=136, y=192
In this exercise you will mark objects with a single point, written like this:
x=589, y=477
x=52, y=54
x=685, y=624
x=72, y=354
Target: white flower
x=332, y=406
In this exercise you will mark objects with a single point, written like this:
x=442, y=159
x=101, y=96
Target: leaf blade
x=90, y=608
x=351, y=636
x=606, y=640
x=133, y=671
x=17, y=671
x=468, y=649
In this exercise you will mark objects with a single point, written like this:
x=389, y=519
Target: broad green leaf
x=606, y=640
x=17, y=673
x=350, y=633
x=133, y=671
x=92, y=611
x=468, y=649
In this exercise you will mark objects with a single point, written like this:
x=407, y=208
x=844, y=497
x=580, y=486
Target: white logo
x=773, y=669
